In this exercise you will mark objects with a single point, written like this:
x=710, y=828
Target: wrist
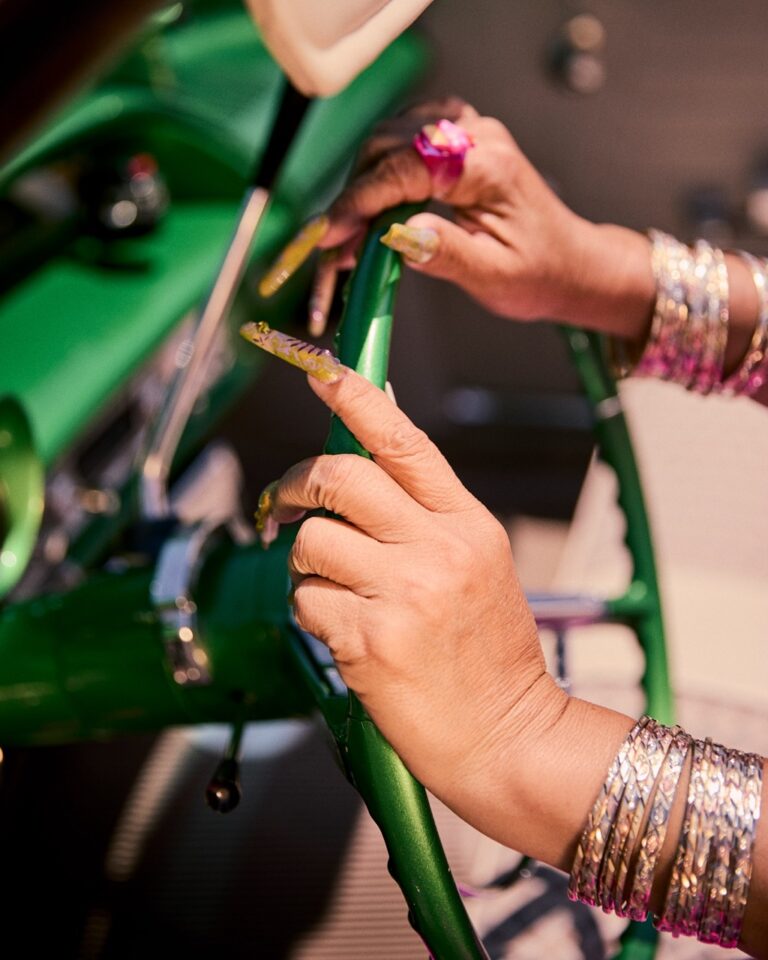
x=548, y=768
x=612, y=288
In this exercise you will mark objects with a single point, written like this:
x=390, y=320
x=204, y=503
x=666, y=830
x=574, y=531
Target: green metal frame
x=640, y=606
x=396, y=801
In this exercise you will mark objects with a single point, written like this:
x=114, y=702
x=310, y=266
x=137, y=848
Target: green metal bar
x=396, y=801
x=640, y=606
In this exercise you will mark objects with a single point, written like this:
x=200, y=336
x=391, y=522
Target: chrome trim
x=193, y=359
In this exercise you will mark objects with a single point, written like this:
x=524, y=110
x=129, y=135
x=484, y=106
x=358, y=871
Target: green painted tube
x=396, y=801
x=640, y=606
x=91, y=663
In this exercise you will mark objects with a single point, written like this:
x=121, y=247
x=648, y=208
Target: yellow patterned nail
x=419, y=245
x=317, y=362
x=294, y=255
x=266, y=525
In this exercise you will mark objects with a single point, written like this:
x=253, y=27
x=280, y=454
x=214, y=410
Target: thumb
x=440, y=248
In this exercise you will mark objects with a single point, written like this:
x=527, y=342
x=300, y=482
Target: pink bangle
x=752, y=373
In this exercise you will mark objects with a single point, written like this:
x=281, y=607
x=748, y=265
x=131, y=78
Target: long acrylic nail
x=417, y=244
x=293, y=255
x=323, y=288
x=316, y=361
x=266, y=525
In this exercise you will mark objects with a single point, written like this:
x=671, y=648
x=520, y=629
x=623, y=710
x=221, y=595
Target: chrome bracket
x=172, y=589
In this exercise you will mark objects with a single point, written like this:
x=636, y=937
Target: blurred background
x=644, y=114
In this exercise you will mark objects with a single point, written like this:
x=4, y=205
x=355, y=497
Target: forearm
x=537, y=798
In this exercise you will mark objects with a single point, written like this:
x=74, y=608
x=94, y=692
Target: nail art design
x=317, y=362
x=419, y=245
x=293, y=255
x=266, y=525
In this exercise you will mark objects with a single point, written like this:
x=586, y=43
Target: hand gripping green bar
x=396, y=801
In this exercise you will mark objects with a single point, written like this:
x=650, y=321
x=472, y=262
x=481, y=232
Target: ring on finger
x=443, y=147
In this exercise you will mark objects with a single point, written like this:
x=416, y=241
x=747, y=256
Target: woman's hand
x=512, y=245
x=415, y=593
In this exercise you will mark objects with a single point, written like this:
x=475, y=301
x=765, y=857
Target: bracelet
x=709, y=886
x=655, y=741
x=670, y=265
x=591, y=846
x=752, y=373
x=733, y=842
x=617, y=853
x=712, y=300
x=689, y=329
x=683, y=905
x=656, y=832
x=690, y=322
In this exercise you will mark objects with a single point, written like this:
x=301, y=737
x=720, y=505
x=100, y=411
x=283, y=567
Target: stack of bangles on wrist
x=689, y=329
x=619, y=849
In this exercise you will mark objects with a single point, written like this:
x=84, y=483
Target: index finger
x=399, y=447
x=399, y=177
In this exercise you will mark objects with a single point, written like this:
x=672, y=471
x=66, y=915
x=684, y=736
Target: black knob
x=223, y=792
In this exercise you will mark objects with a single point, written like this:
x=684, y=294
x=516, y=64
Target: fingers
x=351, y=487
x=331, y=613
x=330, y=264
x=399, y=177
x=334, y=550
x=440, y=248
x=399, y=131
x=449, y=108
x=323, y=289
x=397, y=445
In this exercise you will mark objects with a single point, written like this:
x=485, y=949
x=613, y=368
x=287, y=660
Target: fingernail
x=266, y=525
x=293, y=255
x=323, y=288
x=417, y=244
x=316, y=361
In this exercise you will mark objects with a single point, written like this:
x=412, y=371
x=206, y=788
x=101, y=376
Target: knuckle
x=297, y=557
x=327, y=478
x=303, y=609
x=397, y=169
x=498, y=538
x=493, y=129
x=303, y=558
x=403, y=439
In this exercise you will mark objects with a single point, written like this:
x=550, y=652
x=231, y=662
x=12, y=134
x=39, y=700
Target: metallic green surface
x=21, y=493
x=365, y=331
x=76, y=329
x=638, y=942
x=641, y=604
x=640, y=607
x=91, y=663
x=396, y=801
